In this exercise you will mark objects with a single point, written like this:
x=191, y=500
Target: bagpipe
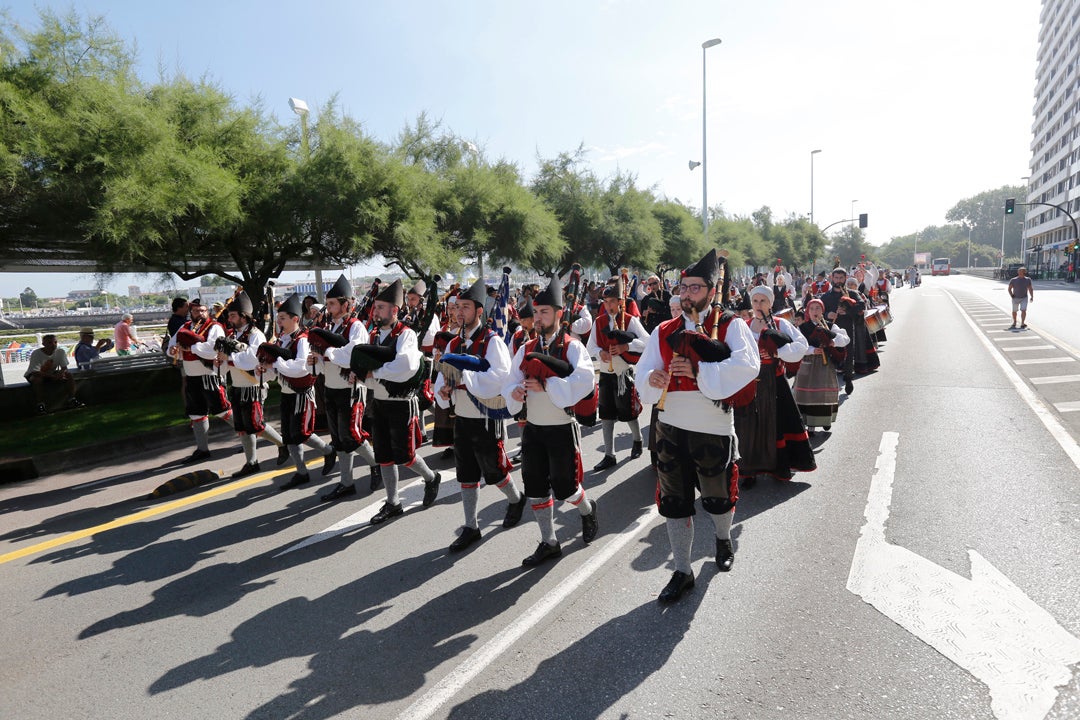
x=320, y=340
x=698, y=347
x=822, y=337
x=372, y=356
x=268, y=352
x=185, y=338
x=228, y=345
x=362, y=311
x=453, y=365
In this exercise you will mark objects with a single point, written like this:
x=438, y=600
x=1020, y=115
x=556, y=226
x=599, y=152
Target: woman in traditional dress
x=772, y=438
x=817, y=391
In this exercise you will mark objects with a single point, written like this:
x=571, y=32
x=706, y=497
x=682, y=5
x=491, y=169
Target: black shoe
x=295, y=481
x=198, y=456
x=811, y=433
x=636, y=450
x=516, y=460
x=447, y=454
x=1011, y=327
x=431, y=490
x=41, y=410
x=543, y=552
x=282, y=455
x=609, y=461
x=679, y=583
x=1023, y=326
x=329, y=461
x=247, y=469
x=338, y=492
x=513, y=512
x=467, y=537
x=725, y=555
x=827, y=428
x=849, y=387
x=376, y=477
x=386, y=512
x=589, y=527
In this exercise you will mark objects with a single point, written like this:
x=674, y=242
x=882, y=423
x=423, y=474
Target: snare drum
x=787, y=314
x=873, y=321
x=886, y=314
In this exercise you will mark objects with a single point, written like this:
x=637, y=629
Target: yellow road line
x=144, y=514
x=141, y=515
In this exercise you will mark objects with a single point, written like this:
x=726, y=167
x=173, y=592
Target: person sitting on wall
x=48, y=365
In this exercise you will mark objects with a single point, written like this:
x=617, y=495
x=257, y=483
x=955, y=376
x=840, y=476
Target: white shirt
x=486, y=385
x=548, y=407
x=403, y=367
x=695, y=410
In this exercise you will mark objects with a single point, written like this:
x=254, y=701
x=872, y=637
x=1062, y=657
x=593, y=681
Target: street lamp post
x=812, y=154
x=300, y=107
x=704, y=134
x=853, y=212
x=969, y=246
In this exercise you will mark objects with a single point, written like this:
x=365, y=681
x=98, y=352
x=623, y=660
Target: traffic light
x=1010, y=206
x=863, y=220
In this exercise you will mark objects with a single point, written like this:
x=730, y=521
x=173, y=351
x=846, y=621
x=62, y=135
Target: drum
x=885, y=313
x=873, y=321
x=786, y=313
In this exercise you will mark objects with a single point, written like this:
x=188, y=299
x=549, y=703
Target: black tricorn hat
x=551, y=295
x=342, y=289
x=420, y=288
x=477, y=293
x=242, y=304
x=394, y=293
x=707, y=267
x=292, y=306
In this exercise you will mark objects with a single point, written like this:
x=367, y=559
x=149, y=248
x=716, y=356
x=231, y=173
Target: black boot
x=376, y=477
x=679, y=583
x=725, y=555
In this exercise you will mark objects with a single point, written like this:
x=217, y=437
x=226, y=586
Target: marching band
x=739, y=379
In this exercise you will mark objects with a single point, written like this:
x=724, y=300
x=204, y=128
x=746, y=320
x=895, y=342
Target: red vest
x=204, y=330
x=740, y=399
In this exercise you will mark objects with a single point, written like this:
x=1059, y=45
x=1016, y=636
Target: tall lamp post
x=812, y=154
x=300, y=107
x=704, y=134
x=853, y=212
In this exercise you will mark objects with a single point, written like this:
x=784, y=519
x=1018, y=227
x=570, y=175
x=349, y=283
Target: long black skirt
x=772, y=437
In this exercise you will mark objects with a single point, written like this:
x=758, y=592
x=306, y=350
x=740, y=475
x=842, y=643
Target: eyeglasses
x=695, y=288
x=653, y=282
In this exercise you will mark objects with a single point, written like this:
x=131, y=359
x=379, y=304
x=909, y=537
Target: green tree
x=742, y=240
x=849, y=244
x=680, y=229
x=605, y=224
x=984, y=213
x=28, y=298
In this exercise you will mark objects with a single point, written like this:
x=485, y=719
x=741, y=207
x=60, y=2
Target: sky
x=914, y=105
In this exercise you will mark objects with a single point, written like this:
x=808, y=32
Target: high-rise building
x=134, y=292
x=1055, y=143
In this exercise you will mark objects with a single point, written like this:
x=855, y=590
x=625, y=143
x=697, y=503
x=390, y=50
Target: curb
x=113, y=452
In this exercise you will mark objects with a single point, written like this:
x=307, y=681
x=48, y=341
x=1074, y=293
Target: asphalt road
x=202, y=608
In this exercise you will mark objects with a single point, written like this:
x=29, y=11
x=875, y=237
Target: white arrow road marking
x=410, y=495
x=986, y=625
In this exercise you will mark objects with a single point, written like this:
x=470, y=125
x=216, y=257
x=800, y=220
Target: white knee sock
x=512, y=492
x=723, y=524
x=422, y=469
x=544, y=511
x=390, y=480
x=580, y=501
x=297, y=456
x=635, y=429
x=202, y=433
x=248, y=443
x=272, y=435
x=318, y=443
x=365, y=453
x=609, y=436
x=470, y=497
x=681, y=536
x=345, y=465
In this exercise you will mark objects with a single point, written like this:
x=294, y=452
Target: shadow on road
x=643, y=640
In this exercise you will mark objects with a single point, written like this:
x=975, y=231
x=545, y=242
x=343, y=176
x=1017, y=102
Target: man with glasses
x=689, y=369
x=655, y=304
